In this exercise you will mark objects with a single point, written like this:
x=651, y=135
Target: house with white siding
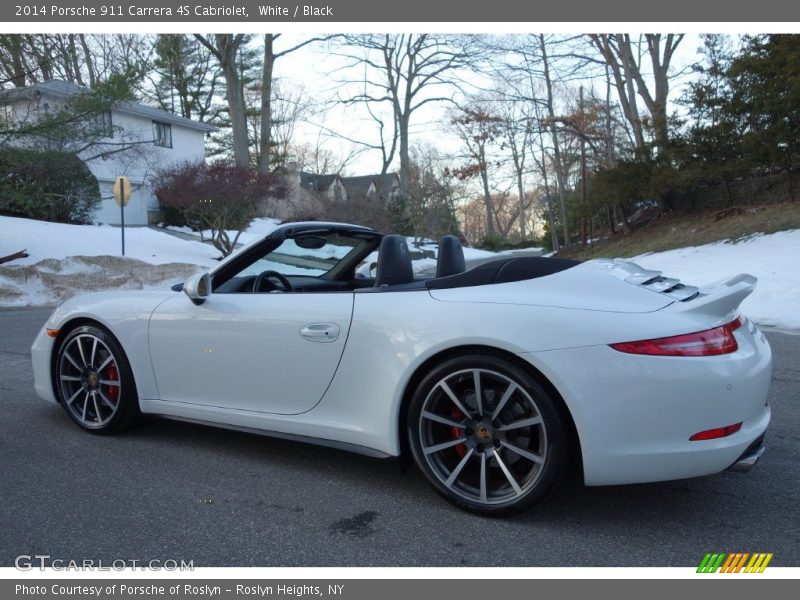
x=140, y=139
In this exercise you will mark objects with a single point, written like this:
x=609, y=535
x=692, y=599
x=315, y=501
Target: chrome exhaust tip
x=749, y=458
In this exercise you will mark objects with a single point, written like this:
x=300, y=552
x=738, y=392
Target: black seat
x=394, y=262
x=451, y=257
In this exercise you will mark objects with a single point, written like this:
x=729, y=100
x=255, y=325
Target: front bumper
x=41, y=352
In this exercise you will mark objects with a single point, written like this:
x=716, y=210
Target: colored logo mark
x=737, y=562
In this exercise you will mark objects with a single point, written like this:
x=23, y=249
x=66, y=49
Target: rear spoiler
x=719, y=301
x=714, y=302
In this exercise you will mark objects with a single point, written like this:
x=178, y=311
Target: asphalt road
x=169, y=490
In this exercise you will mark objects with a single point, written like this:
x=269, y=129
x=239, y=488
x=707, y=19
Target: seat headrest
x=394, y=262
x=451, y=257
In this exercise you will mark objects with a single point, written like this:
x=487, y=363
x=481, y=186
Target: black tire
x=491, y=446
x=100, y=400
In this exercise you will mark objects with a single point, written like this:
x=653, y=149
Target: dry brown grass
x=669, y=232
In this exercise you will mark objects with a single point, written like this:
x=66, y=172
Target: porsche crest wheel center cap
x=483, y=433
x=92, y=380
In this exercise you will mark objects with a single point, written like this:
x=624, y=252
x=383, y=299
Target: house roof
x=316, y=182
x=384, y=184
x=60, y=88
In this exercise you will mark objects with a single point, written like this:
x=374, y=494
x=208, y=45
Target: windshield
x=312, y=255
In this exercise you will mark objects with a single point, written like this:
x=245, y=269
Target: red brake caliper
x=457, y=432
x=112, y=375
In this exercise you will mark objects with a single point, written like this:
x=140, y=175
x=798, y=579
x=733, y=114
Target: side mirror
x=198, y=287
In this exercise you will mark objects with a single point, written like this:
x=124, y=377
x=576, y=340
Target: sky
x=313, y=68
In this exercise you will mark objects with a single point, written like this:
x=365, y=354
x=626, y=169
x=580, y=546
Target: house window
x=103, y=124
x=162, y=132
x=6, y=117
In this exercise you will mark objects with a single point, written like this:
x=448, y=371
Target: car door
x=273, y=353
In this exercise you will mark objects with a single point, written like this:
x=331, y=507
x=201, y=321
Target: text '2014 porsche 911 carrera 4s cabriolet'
x=497, y=380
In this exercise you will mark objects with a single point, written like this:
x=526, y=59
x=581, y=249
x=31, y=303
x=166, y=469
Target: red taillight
x=710, y=342
x=716, y=433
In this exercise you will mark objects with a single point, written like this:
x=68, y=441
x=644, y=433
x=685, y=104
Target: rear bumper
x=635, y=414
x=749, y=457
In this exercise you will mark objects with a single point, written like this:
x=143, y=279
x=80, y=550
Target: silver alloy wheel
x=89, y=379
x=483, y=436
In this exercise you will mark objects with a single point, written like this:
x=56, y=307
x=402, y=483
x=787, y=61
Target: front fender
x=125, y=314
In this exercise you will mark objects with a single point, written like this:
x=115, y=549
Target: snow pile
x=52, y=280
x=65, y=260
x=773, y=258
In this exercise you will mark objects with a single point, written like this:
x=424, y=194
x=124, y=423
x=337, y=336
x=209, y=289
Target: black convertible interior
x=332, y=259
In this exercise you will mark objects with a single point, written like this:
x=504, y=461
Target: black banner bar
x=390, y=589
x=363, y=11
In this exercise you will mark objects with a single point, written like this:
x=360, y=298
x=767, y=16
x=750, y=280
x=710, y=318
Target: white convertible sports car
x=497, y=380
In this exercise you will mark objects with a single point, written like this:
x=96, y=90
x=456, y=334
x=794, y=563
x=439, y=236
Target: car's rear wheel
x=94, y=381
x=486, y=434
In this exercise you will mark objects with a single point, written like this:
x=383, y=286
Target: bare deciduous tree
x=478, y=130
x=623, y=57
x=270, y=56
x=405, y=71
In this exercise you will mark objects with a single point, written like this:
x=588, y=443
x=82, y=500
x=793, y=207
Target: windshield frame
x=369, y=240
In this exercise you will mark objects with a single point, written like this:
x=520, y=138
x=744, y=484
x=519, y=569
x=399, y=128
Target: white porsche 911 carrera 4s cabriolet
x=497, y=380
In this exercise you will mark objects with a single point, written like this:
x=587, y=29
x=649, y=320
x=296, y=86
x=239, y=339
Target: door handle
x=320, y=332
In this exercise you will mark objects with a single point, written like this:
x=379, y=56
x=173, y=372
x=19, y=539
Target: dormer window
x=162, y=134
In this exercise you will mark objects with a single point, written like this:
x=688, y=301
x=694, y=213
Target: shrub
x=50, y=186
x=217, y=196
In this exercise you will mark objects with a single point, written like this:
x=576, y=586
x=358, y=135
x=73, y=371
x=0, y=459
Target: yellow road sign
x=122, y=191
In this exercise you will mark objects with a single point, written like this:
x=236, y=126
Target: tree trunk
x=265, y=141
x=87, y=56
x=405, y=158
x=73, y=57
x=621, y=64
x=658, y=103
x=560, y=179
x=523, y=234
x=628, y=68
x=612, y=226
x=550, y=214
x=225, y=48
x=14, y=44
x=584, y=199
x=487, y=196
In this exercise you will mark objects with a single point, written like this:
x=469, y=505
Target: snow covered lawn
x=258, y=229
x=773, y=258
x=57, y=240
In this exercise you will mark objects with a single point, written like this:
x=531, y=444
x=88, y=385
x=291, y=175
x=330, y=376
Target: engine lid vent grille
x=653, y=281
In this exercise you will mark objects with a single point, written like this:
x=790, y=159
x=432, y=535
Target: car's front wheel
x=486, y=434
x=94, y=381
